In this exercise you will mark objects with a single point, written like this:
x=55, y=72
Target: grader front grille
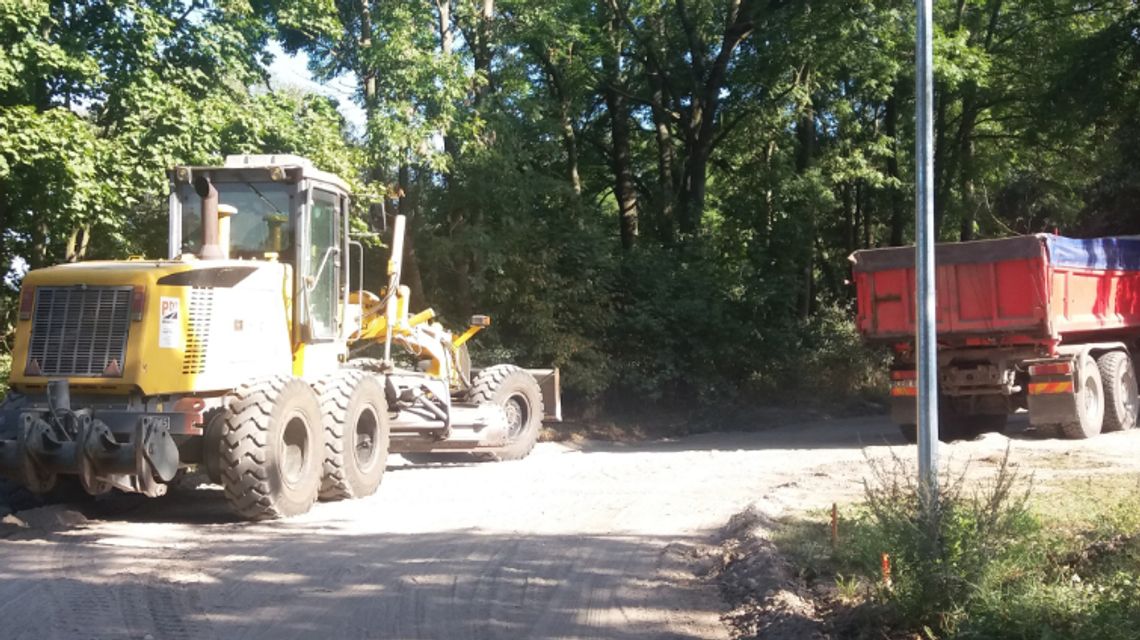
x=80, y=331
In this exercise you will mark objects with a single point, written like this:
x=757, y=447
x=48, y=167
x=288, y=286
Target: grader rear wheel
x=272, y=448
x=517, y=392
x=355, y=414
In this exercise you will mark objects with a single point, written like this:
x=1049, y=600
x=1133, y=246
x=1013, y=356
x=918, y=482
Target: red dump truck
x=1042, y=322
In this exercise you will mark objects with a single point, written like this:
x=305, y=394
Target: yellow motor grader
x=235, y=355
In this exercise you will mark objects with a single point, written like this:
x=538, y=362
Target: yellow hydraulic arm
x=387, y=318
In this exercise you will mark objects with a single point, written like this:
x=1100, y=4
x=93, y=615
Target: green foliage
x=98, y=100
x=823, y=352
x=755, y=145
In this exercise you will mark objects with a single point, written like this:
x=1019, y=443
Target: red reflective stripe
x=904, y=391
x=908, y=374
x=1045, y=388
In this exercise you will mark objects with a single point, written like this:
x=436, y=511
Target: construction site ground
x=583, y=540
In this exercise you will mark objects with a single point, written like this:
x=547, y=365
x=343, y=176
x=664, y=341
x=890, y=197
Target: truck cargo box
x=1042, y=289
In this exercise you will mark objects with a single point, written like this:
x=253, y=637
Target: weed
x=848, y=588
x=996, y=560
x=5, y=369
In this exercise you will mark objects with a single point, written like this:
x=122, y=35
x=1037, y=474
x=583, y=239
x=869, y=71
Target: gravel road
x=590, y=541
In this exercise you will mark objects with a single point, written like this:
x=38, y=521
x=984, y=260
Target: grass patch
x=997, y=559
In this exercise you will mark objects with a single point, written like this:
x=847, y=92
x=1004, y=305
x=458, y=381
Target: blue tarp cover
x=1121, y=254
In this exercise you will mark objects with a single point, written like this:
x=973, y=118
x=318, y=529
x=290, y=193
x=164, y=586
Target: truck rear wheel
x=1120, y=396
x=517, y=392
x=354, y=411
x=271, y=449
x=1090, y=402
x=909, y=433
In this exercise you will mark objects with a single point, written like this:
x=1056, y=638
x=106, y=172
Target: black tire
x=212, y=444
x=518, y=393
x=272, y=448
x=1090, y=403
x=909, y=433
x=1120, y=396
x=354, y=412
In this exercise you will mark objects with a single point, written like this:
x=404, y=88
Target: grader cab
x=235, y=355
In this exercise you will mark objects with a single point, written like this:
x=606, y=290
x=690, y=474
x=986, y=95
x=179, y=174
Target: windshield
x=261, y=225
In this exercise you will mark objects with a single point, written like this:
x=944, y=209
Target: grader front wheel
x=272, y=448
x=517, y=392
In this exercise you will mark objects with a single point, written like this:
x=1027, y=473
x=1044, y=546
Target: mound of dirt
x=766, y=599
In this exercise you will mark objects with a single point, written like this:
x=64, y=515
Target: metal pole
x=924, y=254
x=395, y=266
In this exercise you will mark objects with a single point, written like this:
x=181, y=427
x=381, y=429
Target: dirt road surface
x=590, y=541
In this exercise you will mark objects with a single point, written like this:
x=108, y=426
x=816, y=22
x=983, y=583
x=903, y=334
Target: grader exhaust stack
x=211, y=250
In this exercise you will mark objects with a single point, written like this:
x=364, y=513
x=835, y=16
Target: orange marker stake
x=886, y=570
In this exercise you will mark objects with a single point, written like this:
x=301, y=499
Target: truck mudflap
x=62, y=440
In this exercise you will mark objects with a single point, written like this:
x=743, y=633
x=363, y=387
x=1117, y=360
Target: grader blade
x=473, y=427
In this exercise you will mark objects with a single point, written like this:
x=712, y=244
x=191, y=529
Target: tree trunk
x=77, y=243
x=446, y=45
x=570, y=142
x=898, y=214
x=805, y=153
x=863, y=213
x=966, y=189
x=849, y=219
x=482, y=52
x=942, y=164
x=411, y=271
x=708, y=81
x=622, y=165
x=666, y=218
x=560, y=93
x=621, y=161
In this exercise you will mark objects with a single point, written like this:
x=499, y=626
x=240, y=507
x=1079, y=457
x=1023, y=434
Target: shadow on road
x=847, y=433
x=304, y=580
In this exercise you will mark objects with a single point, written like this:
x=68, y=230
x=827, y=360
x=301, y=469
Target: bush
x=981, y=562
x=945, y=551
x=824, y=353
x=5, y=370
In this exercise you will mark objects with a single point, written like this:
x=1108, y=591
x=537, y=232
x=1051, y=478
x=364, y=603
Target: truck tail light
x=138, y=302
x=27, y=302
x=1056, y=369
x=904, y=391
x=904, y=383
